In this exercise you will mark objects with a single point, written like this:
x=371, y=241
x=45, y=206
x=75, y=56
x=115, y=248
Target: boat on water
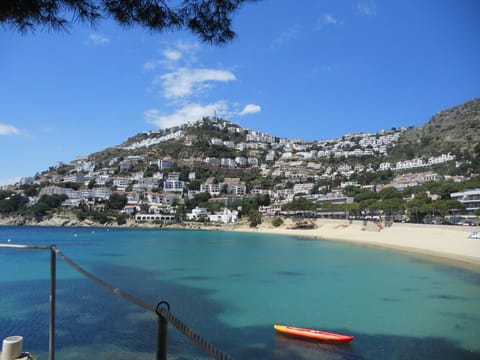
x=312, y=334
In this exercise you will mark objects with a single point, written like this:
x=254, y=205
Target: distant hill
x=455, y=130
x=172, y=142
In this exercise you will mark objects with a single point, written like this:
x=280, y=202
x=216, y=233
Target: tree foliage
x=200, y=199
x=10, y=203
x=298, y=204
x=251, y=203
x=211, y=20
x=46, y=204
x=254, y=218
x=117, y=201
x=278, y=221
x=364, y=195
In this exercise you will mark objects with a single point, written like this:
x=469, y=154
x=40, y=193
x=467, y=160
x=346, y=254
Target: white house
x=197, y=213
x=226, y=216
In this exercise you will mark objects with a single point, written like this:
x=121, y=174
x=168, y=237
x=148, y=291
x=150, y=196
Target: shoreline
x=442, y=242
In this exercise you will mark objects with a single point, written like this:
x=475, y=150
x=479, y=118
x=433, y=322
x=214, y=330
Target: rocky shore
x=70, y=220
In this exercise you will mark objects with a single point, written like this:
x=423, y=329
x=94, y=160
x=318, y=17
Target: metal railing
x=162, y=309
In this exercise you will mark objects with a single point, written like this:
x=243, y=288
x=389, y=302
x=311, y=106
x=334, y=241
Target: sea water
x=231, y=288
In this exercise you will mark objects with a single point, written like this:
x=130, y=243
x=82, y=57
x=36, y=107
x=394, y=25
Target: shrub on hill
x=278, y=221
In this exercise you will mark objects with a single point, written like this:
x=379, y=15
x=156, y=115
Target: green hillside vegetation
x=456, y=130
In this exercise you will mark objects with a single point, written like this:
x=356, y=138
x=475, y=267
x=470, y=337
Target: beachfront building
x=335, y=197
x=470, y=198
x=226, y=216
x=272, y=209
x=154, y=217
x=197, y=214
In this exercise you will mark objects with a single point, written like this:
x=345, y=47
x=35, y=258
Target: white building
x=228, y=162
x=241, y=161
x=385, y=166
x=173, y=185
x=253, y=161
x=121, y=183
x=305, y=188
x=198, y=213
x=217, y=141
x=441, y=159
x=211, y=188
x=270, y=156
x=470, y=198
x=154, y=217
x=75, y=178
x=226, y=216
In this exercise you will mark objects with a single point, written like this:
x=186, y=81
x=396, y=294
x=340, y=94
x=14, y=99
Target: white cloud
x=367, y=7
x=96, y=39
x=188, y=113
x=250, y=109
x=187, y=47
x=184, y=82
x=328, y=20
x=180, y=51
x=181, y=80
x=152, y=65
x=6, y=129
x=169, y=60
x=172, y=55
x=286, y=36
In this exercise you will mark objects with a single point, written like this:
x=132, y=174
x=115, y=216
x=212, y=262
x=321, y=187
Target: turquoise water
x=231, y=288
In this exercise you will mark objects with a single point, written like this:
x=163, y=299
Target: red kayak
x=312, y=334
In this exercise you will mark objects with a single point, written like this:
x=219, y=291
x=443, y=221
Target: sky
x=308, y=69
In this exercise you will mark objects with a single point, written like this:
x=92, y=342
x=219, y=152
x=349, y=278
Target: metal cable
x=166, y=314
x=25, y=247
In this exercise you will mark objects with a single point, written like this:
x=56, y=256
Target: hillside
x=214, y=163
x=217, y=146
x=455, y=130
x=183, y=142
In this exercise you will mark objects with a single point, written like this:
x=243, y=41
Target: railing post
x=162, y=332
x=53, y=275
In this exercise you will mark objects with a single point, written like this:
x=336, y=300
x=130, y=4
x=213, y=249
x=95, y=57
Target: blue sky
x=311, y=69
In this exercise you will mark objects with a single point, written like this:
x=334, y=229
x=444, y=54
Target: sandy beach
x=447, y=242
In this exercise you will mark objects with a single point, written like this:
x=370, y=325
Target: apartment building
x=470, y=198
